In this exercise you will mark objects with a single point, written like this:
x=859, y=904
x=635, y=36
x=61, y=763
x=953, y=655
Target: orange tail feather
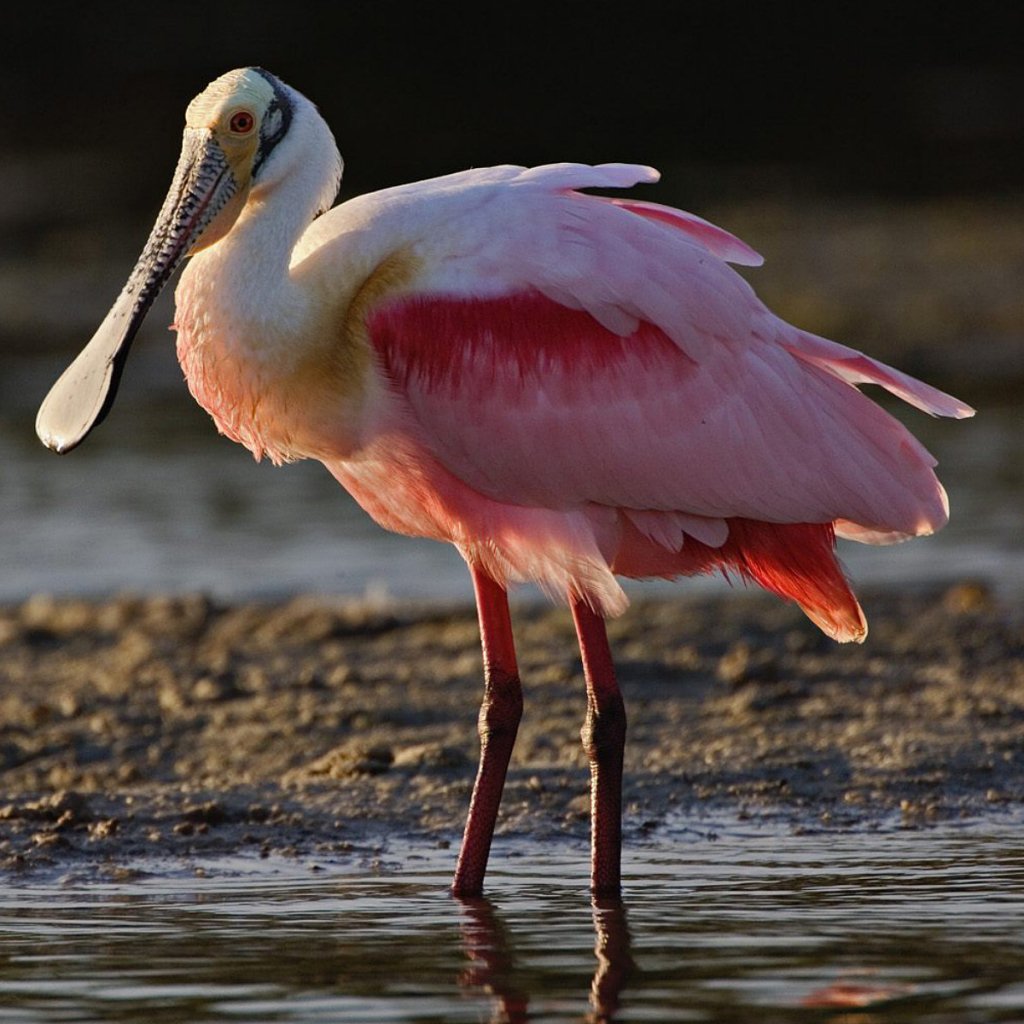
x=797, y=561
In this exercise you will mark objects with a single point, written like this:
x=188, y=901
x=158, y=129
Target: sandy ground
x=177, y=727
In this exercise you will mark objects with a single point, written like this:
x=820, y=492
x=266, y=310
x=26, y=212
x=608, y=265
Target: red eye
x=242, y=122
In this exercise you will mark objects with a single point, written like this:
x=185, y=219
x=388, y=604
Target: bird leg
x=498, y=723
x=604, y=740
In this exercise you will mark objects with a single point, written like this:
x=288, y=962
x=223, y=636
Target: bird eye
x=242, y=122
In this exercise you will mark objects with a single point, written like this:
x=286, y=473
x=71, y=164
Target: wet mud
x=179, y=728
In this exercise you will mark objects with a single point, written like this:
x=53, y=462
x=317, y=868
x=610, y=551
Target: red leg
x=604, y=740
x=498, y=723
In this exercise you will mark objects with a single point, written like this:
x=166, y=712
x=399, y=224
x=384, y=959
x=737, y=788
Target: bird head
x=244, y=134
x=232, y=130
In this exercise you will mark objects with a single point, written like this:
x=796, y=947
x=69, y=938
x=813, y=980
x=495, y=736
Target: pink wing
x=593, y=352
x=533, y=403
x=622, y=362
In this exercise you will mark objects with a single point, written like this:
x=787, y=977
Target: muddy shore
x=177, y=727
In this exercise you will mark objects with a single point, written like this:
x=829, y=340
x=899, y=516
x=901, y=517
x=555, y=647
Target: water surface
x=724, y=923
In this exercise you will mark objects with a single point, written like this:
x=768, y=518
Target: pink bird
x=568, y=388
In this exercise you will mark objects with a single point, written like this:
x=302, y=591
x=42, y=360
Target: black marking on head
x=276, y=121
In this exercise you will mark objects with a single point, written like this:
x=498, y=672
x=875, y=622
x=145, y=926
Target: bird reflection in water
x=492, y=960
x=614, y=959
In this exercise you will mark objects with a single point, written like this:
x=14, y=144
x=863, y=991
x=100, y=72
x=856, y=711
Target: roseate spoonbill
x=564, y=386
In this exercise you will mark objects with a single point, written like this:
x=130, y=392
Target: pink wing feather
x=723, y=244
x=607, y=358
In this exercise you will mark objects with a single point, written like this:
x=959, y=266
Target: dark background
x=732, y=98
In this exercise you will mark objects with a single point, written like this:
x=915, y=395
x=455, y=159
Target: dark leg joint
x=604, y=731
x=502, y=707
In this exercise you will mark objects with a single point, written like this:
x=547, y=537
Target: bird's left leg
x=604, y=740
x=500, y=713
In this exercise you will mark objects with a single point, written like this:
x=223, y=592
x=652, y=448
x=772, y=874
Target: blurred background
x=872, y=153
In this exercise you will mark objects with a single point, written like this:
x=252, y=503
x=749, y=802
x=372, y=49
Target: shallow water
x=155, y=501
x=726, y=924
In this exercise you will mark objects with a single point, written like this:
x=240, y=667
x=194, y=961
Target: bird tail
x=797, y=561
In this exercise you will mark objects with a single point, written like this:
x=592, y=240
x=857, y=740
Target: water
x=727, y=925
x=155, y=501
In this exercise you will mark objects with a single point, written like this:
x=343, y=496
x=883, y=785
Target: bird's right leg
x=500, y=712
x=604, y=740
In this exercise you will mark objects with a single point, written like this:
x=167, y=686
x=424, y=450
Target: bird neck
x=241, y=283
x=240, y=290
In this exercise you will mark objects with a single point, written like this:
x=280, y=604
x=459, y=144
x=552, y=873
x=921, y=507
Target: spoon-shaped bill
x=84, y=393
